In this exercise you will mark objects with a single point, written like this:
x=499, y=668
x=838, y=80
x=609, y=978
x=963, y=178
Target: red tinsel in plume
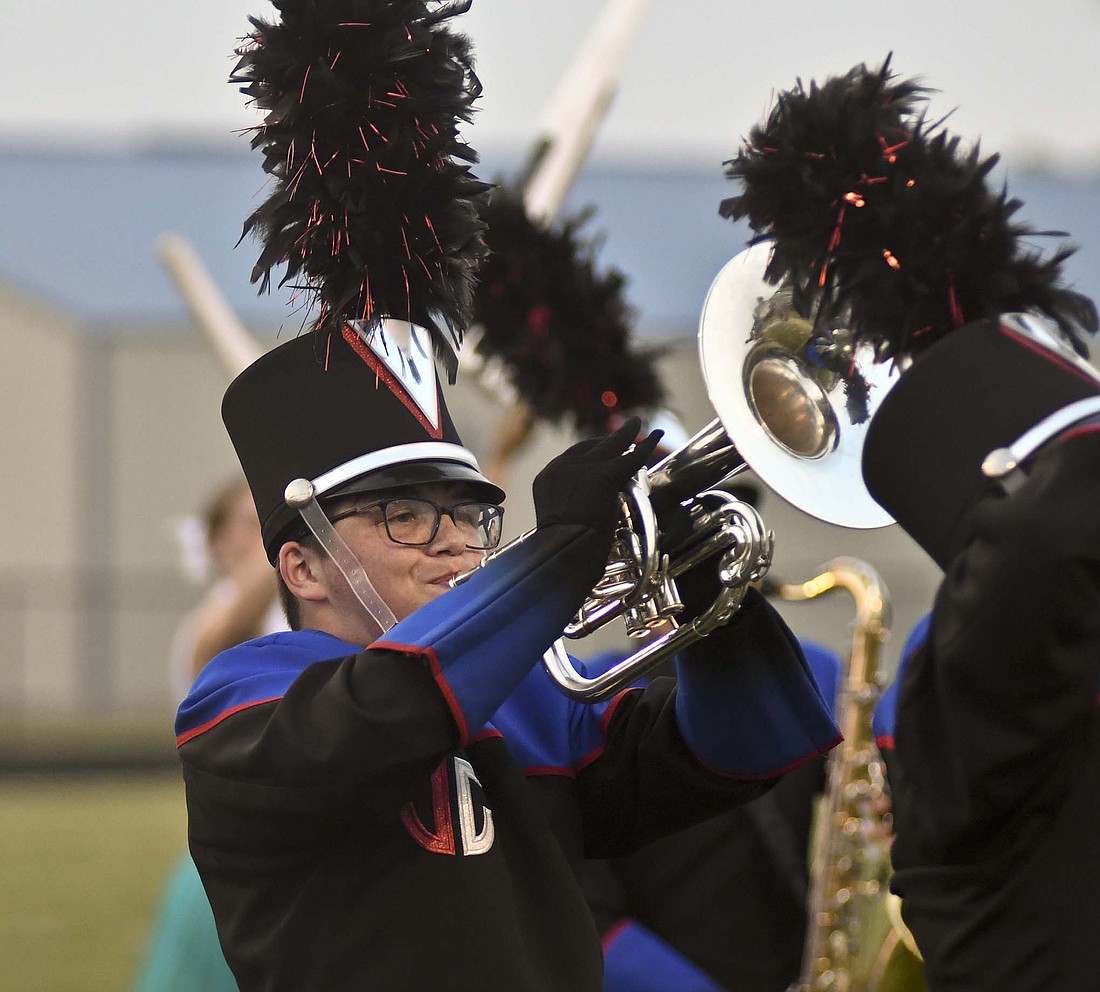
x=879, y=217
x=374, y=210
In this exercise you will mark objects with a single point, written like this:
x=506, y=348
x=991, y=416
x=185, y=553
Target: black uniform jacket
x=406, y=817
x=996, y=772
x=722, y=904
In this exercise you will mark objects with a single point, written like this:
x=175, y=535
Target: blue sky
x=1024, y=77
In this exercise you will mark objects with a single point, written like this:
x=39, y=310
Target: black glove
x=582, y=485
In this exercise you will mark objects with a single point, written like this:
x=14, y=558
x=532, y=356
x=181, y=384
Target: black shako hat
x=978, y=389
x=351, y=413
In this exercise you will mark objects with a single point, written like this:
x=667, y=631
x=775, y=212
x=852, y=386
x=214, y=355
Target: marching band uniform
x=995, y=753
x=987, y=453
x=406, y=813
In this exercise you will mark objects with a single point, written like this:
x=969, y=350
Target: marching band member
x=987, y=452
x=393, y=793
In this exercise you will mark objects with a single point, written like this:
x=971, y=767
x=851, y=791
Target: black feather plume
x=373, y=211
x=560, y=328
x=880, y=214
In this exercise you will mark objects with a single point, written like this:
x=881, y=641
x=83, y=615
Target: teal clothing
x=183, y=954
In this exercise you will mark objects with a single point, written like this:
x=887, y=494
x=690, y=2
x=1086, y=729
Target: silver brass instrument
x=778, y=414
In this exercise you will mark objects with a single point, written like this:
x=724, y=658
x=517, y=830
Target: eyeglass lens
x=416, y=521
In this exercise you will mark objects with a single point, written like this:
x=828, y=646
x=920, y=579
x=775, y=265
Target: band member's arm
x=748, y=704
x=746, y=710
x=236, y=617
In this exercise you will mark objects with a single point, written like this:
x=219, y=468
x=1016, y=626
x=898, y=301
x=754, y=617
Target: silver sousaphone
x=783, y=415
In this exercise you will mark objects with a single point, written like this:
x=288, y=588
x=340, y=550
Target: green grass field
x=83, y=862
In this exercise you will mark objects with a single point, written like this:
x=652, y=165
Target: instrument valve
x=658, y=607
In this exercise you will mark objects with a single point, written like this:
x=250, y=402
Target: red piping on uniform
x=614, y=932
x=486, y=734
x=1047, y=354
x=605, y=720
x=592, y=755
x=440, y=680
x=775, y=773
x=202, y=728
x=885, y=742
x=1078, y=431
x=549, y=770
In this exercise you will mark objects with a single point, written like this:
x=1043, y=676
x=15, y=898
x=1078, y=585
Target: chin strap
x=300, y=495
x=1000, y=463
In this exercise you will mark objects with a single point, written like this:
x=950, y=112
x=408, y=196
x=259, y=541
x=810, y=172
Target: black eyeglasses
x=415, y=522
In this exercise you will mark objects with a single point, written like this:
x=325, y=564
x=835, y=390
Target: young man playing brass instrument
x=392, y=795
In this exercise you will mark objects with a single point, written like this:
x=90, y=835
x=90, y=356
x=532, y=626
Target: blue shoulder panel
x=885, y=717
x=825, y=667
x=546, y=732
x=251, y=673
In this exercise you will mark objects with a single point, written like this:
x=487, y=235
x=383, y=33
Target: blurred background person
x=242, y=602
x=183, y=954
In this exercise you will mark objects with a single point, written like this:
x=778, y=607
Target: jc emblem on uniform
x=441, y=839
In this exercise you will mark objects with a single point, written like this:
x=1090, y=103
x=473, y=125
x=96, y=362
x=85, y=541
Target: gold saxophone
x=852, y=943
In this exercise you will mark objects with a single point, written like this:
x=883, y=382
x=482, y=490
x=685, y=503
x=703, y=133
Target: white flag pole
x=573, y=118
x=236, y=346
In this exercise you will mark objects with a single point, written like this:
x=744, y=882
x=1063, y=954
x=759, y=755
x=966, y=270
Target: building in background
x=110, y=428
